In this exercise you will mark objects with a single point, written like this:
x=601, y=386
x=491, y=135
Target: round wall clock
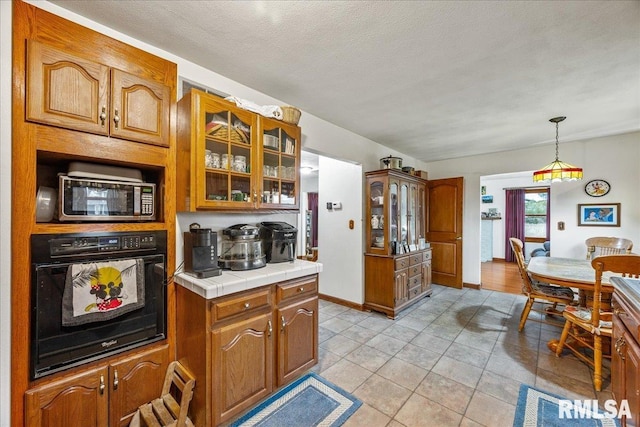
x=597, y=188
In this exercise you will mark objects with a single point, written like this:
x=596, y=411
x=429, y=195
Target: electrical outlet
x=561, y=225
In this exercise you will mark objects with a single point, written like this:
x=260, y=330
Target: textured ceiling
x=432, y=79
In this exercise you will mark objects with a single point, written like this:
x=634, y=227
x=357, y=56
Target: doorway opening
x=495, y=273
x=338, y=235
x=308, y=218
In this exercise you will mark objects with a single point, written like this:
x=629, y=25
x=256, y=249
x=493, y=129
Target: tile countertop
x=230, y=281
x=629, y=287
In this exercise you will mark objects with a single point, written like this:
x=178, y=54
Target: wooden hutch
x=397, y=259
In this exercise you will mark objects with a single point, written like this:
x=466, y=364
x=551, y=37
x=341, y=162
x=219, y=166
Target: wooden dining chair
x=172, y=407
x=597, y=246
x=549, y=295
x=587, y=325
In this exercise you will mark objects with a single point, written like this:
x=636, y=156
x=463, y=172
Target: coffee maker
x=278, y=241
x=241, y=248
x=201, y=252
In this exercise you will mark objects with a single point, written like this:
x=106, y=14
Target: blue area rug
x=309, y=401
x=537, y=408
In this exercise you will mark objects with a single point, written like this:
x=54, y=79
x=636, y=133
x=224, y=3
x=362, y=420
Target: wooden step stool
x=165, y=410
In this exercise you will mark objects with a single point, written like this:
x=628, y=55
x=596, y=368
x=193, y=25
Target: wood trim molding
x=342, y=302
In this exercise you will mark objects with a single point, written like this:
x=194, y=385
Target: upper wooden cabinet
x=278, y=164
x=72, y=92
x=232, y=159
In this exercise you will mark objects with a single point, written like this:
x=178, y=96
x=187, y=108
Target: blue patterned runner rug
x=309, y=401
x=537, y=408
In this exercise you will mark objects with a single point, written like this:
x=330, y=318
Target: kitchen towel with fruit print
x=100, y=291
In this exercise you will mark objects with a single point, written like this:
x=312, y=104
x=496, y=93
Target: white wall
x=5, y=210
x=615, y=159
x=340, y=248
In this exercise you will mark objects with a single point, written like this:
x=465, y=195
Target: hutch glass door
x=393, y=215
x=377, y=237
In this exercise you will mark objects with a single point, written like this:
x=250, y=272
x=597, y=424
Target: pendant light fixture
x=558, y=170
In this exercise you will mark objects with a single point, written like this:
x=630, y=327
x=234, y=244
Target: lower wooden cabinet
x=426, y=273
x=105, y=395
x=297, y=339
x=243, y=346
x=393, y=283
x=242, y=359
x=625, y=357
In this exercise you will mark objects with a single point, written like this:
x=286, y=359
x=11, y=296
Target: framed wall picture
x=487, y=199
x=599, y=214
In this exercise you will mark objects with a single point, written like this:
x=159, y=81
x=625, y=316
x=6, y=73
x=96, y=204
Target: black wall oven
x=84, y=264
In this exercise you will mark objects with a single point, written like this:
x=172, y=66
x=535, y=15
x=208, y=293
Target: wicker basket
x=222, y=132
x=290, y=114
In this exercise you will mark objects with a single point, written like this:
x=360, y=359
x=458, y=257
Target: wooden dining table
x=573, y=273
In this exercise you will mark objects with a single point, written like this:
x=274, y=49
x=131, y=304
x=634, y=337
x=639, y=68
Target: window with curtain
x=536, y=215
x=526, y=217
x=514, y=220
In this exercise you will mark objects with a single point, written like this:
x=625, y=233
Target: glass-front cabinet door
x=394, y=215
x=404, y=213
x=413, y=206
x=226, y=156
x=420, y=213
x=278, y=164
x=229, y=158
x=376, y=239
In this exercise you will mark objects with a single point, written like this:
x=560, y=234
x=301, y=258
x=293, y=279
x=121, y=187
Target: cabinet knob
x=301, y=289
x=115, y=380
x=246, y=305
x=101, y=384
x=284, y=323
x=269, y=329
x=618, y=311
x=116, y=118
x=103, y=115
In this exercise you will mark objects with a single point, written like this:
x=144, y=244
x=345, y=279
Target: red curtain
x=549, y=214
x=312, y=205
x=514, y=220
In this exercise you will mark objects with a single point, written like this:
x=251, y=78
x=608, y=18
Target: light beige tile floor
x=454, y=359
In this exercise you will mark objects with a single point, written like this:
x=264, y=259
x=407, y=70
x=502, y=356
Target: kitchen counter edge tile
x=230, y=282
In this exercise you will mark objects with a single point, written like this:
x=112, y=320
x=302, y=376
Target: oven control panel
x=73, y=245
